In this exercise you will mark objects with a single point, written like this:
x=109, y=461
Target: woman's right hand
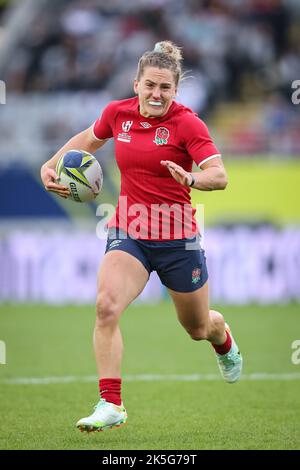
x=50, y=181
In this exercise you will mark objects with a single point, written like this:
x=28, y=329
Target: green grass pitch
x=43, y=341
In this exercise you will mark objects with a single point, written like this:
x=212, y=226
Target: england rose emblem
x=161, y=136
x=196, y=273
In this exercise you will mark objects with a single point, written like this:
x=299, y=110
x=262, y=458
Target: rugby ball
x=81, y=173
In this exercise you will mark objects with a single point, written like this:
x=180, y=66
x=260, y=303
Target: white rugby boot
x=106, y=415
x=231, y=363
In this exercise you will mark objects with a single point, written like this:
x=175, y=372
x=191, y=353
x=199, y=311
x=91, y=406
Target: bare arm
x=85, y=140
x=213, y=175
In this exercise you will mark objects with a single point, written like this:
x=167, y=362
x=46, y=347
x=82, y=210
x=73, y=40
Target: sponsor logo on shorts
x=196, y=275
x=114, y=244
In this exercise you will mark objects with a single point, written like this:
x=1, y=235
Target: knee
x=198, y=334
x=107, y=312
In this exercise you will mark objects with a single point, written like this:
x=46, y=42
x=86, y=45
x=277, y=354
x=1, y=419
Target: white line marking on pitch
x=147, y=378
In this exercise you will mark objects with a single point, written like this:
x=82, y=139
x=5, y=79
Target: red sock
x=223, y=348
x=110, y=390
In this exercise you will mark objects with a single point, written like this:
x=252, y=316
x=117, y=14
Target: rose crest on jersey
x=161, y=136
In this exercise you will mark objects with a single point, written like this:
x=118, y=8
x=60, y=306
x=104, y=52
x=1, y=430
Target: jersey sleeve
x=103, y=127
x=197, y=140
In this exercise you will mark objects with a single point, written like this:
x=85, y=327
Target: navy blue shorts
x=180, y=264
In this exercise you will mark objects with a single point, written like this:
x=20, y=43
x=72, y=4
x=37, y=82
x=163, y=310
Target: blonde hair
x=165, y=55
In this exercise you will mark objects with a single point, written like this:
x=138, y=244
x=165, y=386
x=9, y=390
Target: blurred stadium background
x=61, y=62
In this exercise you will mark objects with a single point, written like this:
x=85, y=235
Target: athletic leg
x=204, y=324
x=194, y=315
x=121, y=279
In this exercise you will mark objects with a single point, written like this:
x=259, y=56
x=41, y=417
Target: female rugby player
x=156, y=142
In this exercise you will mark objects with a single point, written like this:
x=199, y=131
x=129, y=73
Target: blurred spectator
x=234, y=50
x=78, y=45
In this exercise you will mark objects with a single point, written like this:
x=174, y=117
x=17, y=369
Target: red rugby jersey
x=152, y=205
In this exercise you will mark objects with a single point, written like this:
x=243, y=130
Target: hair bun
x=169, y=48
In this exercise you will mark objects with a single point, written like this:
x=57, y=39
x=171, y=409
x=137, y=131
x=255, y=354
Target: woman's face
x=156, y=90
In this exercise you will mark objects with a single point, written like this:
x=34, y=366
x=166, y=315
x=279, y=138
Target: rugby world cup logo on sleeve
x=161, y=136
x=124, y=136
x=126, y=125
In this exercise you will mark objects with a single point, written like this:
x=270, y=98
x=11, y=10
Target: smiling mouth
x=155, y=103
